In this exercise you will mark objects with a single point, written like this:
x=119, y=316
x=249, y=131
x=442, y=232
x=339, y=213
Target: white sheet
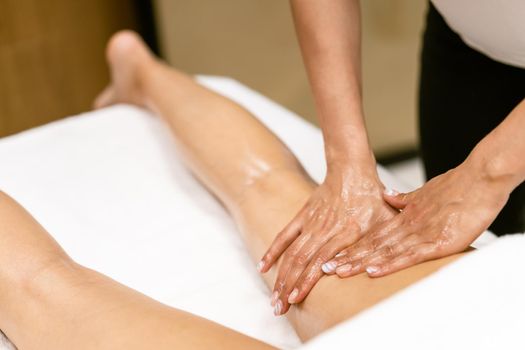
x=476, y=303
x=111, y=189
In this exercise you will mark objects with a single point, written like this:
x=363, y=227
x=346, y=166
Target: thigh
x=266, y=209
x=47, y=301
x=82, y=309
x=463, y=96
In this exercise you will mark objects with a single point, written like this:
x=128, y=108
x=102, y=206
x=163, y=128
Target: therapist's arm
x=329, y=33
x=449, y=212
x=349, y=201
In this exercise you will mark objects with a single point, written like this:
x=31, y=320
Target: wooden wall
x=52, y=64
x=52, y=56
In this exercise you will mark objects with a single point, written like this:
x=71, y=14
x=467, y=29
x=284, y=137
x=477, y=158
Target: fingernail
x=260, y=265
x=275, y=295
x=338, y=255
x=278, y=308
x=343, y=269
x=390, y=192
x=293, y=295
x=329, y=267
x=372, y=269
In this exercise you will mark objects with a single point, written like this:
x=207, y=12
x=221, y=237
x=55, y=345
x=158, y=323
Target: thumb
x=395, y=199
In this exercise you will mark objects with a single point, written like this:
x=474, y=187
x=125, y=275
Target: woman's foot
x=128, y=57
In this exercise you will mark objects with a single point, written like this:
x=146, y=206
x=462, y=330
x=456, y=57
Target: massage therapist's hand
x=345, y=206
x=441, y=218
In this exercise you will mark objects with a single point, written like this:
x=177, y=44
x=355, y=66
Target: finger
x=339, y=259
x=324, y=227
x=366, y=246
x=344, y=257
x=397, y=200
x=344, y=264
x=302, y=257
x=392, y=250
x=387, y=253
x=350, y=269
x=298, y=257
x=281, y=242
x=340, y=245
x=285, y=266
x=297, y=267
x=316, y=269
x=350, y=261
x=413, y=256
x=305, y=283
x=347, y=264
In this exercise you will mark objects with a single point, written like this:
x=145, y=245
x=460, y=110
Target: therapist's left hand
x=441, y=218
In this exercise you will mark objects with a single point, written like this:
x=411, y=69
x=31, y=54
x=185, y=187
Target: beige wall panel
x=254, y=42
x=392, y=33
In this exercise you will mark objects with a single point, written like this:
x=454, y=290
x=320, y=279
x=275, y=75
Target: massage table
x=112, y=190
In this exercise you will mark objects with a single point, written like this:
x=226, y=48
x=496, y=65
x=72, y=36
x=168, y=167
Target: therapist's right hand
x=340, y=211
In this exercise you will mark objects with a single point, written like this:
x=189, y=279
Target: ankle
x=146, y=72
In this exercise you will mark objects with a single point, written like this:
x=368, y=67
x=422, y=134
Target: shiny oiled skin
x=47, y=301
x=347, y=215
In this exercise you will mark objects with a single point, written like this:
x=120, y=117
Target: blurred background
x=52, y=56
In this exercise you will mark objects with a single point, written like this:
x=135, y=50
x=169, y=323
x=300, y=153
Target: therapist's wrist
x=346, y=141
x=345, y=155
x=357, y=166
x=493, y=173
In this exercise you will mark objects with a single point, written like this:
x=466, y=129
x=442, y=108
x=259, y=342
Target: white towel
x=112, y=190
x=478, y=302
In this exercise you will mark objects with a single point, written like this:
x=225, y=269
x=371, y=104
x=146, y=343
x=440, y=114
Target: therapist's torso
x=493, y=27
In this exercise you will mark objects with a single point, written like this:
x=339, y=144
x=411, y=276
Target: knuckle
x=318, y=260
x=439, y=246
x=352, y=226
x=322, y=258
x=344, y=252
x=279, y=278
x=285, y=263
x=274, y=249
x=413, y=254
x=307, y=283
x=389, y=251
x=293, y=250
x=301, y=259
x=344, y=260
x=411, y=207
x=325, y=254
x=266, y=257
x=280, y=285
x=282, y=234
x=356, y=252
x=375, y=243
x=307, y=235
x=300, y=282
x=341, y=260
x=410, y=252
x=286, y=257
x=444, y=240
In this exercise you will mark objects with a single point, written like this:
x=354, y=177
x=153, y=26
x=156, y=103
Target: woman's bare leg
x=49, y=302
x=250, y=171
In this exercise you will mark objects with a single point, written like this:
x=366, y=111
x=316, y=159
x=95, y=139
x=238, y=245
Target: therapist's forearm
x=329, y=34
x=500, y=157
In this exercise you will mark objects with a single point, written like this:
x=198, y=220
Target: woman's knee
x=27, y=250
x=276, y=186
